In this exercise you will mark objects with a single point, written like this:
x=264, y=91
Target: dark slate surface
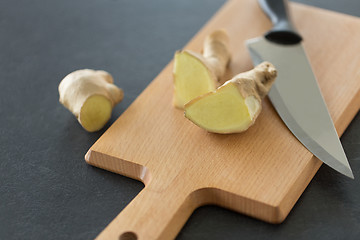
x=47, y=191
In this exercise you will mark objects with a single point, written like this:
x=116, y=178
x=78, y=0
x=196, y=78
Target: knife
x=295, y=94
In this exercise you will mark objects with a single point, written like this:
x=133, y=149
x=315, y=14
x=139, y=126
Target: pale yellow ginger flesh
x=90, y=95
x=95, y=113
x=196, y=74
x=192, y=78
x=235, y=105
x=221, y=111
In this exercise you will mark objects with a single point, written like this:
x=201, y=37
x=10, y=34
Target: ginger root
x=235, y=105
x=90, y=95
x=195, y=74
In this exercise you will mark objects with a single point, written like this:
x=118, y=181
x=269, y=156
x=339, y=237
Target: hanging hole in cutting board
x=128, y=236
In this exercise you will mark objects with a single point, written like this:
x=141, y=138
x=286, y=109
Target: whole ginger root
x=195, y=74
x=235, y=105
x=90, y=95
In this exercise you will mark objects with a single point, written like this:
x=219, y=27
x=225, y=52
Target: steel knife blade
x=295, y=94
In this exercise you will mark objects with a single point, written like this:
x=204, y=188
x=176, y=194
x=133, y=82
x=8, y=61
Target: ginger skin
x=90, y=95
x=195, y=74
x=235, y=105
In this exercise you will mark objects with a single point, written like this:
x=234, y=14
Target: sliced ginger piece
x=192, y=78
x=90, y=95
x=196, y=74
x=222, y=111
x=235, y=105
x=95, y=113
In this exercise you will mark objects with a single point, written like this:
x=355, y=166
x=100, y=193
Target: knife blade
x=295, y=94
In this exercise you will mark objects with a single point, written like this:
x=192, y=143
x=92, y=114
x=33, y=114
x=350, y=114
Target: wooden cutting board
x=260, y=173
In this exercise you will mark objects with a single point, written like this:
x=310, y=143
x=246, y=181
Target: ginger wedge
x=235, y=105
x=195, y=74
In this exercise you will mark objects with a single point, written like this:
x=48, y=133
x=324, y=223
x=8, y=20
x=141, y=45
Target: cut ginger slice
x=235, y=105
x=222, y=111
x=95, y=112
x=195, y=74
x=191, y=78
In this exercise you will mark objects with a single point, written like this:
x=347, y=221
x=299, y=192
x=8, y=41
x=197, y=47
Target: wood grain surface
x=260, y=173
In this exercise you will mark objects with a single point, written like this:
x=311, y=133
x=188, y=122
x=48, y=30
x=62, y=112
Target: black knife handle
x=283, y=31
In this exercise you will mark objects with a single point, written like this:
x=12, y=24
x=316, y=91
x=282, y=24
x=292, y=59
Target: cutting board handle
x=283, y=31
x=152, y=214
